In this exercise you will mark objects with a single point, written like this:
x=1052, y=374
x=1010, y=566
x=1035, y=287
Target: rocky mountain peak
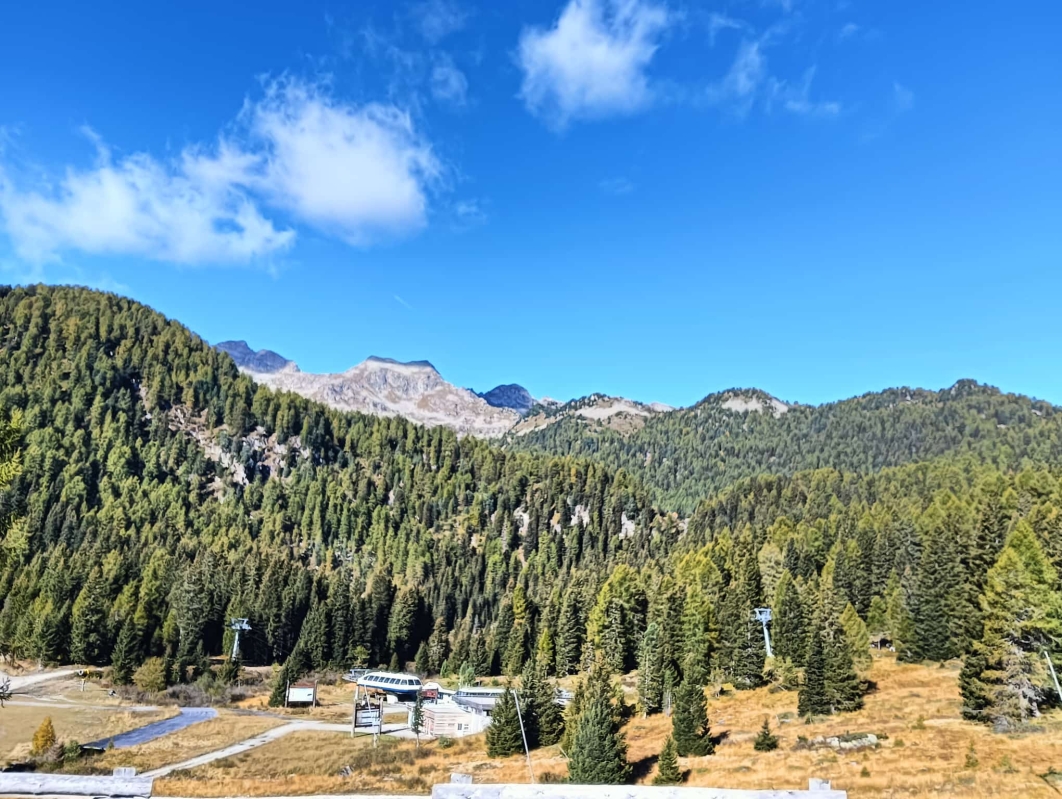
x=262, y=361
x=510, y=395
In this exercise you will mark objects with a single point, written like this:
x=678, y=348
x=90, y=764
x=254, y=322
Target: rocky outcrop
x=382, y=387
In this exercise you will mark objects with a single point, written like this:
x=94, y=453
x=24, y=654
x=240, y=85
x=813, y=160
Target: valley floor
x=926, y=750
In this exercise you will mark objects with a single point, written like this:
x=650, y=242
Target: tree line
x=157, y=493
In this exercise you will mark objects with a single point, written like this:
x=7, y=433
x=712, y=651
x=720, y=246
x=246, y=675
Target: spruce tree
x=689, y=721
x=416, y=723
x=856, y=637
x=812, y=699
x=844, y=690
x=543, y=717
x=420, y=662
x=125, y=657
x=89, y=641
x=668, y=768
x=766, y=741
x=788, y=633
x=598, y=753
x=1005, y=678
x=650, y=671
x=503, y=734
x=438, y=646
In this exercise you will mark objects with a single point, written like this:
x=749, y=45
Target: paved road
x=149, y=732
x=259, y=740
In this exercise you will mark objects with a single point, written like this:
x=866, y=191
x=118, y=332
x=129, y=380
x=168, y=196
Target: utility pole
x=238, y=626
x=763, y=615
x=527, y=749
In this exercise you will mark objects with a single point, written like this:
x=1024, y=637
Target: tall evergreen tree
x=689, y=721
x=503, y=734
x=668, y=768
x=598, y=753
x=126, y=655
x=1005, y=677
x=651, y=671
x=788, y=633
x=812, y=699
x=89, y=641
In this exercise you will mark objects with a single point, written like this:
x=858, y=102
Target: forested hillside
x=163, y=493
x=684, y=455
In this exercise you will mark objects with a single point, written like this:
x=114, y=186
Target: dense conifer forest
x=156, y=493
x=684, y=455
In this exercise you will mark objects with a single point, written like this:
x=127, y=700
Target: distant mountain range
x=416, y=391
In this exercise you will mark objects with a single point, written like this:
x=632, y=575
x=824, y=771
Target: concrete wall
x=452, y=791
x=32, y=784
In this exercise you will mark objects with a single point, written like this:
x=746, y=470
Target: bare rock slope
x=381, y=387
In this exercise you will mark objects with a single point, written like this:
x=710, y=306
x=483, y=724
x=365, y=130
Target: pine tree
x=689, y=721
x=89, y=641
x=699, y=634
x=503, y=734
x=668, y=768
x=844, y=690
x=420, y=662
x=125, y=657
x=788, y=634
x=650, y=671
x=570, y=631
x=1005, y=679
x=416, y=723
x=857, y=638
x=598, y=753
x=543, y=718
x=766, y=741
x=438, y=646
x=812, y=699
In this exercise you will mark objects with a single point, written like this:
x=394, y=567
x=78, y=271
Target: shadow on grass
x=640, y=769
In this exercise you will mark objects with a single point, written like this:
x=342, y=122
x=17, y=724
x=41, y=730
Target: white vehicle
x=404, y=687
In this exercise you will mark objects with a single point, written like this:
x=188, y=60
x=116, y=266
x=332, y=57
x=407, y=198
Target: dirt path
x=260, y=740
x=21, y=683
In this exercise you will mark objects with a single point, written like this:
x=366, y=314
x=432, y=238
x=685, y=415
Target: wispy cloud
x=358, y=173
x=720, y=22
x=796, y=98
x=448, y=83
x=848, y=31
x=437, y=19
x=749, y=82
x=592, y=62
x=616, y=186
x=902, y=98
x=739, y=86
x=402, y=302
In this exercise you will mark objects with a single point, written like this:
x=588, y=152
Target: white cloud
x=437, y=19
x=796, y=99
x=355, y=172
x=139, y=206
x=902, y=98
x=719, y=22
x=741, y=83
x=748, y=81
x=592, y=62
x=448, y=83
x=849, y=30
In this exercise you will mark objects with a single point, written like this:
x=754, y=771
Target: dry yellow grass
x=917, y=707
x=72, y=723
x=310, y=763
x=217, y=733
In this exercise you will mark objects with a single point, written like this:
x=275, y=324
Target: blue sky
x=643, y=197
